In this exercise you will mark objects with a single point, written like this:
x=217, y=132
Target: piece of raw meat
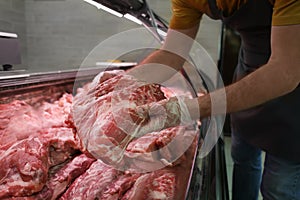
x=158, y=185
x=92, y=183
x=101, y=116
x=25, y=165
x=59, y=182
x=19, y=120
x=31, y=141
x=61, y=144
x=119, y=187
x=24, y=168
x=157, y=150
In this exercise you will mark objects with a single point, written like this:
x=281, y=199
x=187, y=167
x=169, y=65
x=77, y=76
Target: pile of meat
x=51, y=152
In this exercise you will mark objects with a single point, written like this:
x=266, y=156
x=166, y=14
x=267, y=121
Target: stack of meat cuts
x=34, y=143
x=70, y=149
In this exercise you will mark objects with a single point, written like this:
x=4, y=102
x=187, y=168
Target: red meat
x=92, y=183
x=153, y=186
x=24, y=168
x=101, y=116
x=40, y=156
x=57, y=184
x=31, y=141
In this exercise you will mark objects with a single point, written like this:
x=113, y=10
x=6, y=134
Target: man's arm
x=165, y=62
x=278, y=77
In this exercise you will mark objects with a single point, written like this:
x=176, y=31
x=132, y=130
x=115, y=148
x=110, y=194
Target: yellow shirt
x=187, y=13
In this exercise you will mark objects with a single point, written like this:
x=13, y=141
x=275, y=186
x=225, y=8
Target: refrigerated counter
x=208, y=175
x=208, y=178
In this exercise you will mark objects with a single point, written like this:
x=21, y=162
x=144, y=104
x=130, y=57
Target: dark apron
x=273, y=126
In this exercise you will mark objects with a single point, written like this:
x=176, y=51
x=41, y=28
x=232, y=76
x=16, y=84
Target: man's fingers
x=139, y=115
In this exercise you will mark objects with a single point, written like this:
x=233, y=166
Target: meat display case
x=208, y=179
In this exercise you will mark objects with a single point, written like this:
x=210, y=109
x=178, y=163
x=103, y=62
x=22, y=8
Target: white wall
x=59, y=34
x=62, y=33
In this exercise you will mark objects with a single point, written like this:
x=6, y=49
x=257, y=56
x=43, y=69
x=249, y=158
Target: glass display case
x=54, y=48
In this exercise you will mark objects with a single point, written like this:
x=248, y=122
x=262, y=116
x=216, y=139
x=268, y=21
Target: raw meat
x=153, y=186
x=169, y=183
x=61, y=144
x=33, y=140
x=119, y=187
x=101, y=116
x=24, y=168
x=92, y=183
x=57, y=184
x=18, y=120
x=157, y=150
x=41, y=158
x=25, y=165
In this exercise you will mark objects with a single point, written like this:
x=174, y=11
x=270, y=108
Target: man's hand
x=160, y=115
x=173, y=110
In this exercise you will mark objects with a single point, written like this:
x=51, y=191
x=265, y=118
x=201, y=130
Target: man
x=264, y=101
